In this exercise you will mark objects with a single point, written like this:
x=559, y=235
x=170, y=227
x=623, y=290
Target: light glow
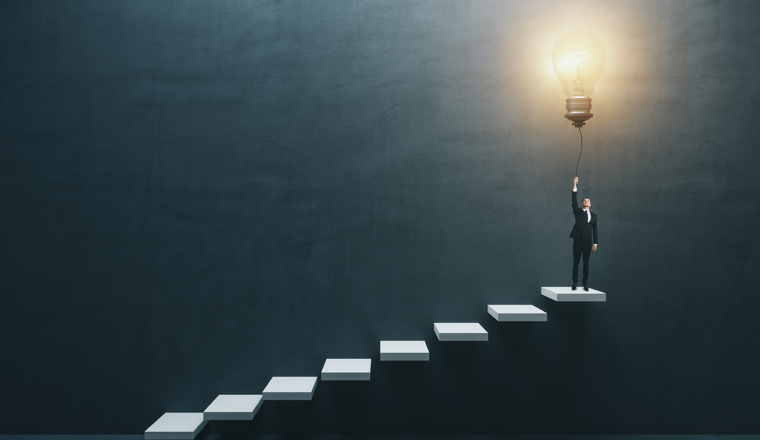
x=578, y=58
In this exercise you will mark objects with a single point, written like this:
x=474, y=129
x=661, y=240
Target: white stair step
x=404, y=351
x=176, y=426
x=290, y=388
x=233, y=407
x=516, y=312
x=460, y=331
x=566, y=294
x=346, y=369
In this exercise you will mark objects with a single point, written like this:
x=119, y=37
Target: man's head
x=586, y=203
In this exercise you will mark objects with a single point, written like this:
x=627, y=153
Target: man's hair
x=585, y=199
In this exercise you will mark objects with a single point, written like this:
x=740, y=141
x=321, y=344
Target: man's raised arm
x=575, y=195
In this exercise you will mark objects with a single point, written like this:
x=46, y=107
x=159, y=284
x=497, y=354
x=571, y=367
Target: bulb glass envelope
x=578, y=59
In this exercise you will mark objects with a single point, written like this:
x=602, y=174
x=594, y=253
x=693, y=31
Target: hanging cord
x=579, y=155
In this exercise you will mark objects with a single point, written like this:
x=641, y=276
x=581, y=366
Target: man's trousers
x=581, y=248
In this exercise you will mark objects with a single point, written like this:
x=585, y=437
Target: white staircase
x=245, y=406
x=460, y=331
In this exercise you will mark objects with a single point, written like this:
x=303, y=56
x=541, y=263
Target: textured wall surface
x=199, y=195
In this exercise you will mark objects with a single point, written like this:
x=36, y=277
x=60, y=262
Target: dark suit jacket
x=581, y=221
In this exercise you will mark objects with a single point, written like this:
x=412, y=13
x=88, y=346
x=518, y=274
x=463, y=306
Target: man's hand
x=575, y=182
x=594, y=248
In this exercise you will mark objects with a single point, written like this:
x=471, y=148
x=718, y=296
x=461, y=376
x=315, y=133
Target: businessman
x=584, y=235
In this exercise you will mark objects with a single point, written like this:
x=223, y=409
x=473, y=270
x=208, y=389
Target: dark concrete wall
x=197, y=196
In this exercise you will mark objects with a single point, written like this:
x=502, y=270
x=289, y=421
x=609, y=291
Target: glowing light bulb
x=578, y=58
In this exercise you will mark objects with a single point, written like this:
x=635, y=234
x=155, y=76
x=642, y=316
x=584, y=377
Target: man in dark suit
x=584, y=229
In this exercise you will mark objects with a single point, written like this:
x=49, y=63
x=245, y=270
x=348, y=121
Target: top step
x=566, y=294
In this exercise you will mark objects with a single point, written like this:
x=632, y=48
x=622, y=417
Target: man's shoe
x=585, y=287
x=575, y=284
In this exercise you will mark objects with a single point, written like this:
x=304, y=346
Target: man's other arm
x=596, y=235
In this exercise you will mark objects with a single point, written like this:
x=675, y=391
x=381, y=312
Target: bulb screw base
x=578, y=110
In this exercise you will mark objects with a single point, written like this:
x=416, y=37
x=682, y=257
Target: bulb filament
x=579, y=59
